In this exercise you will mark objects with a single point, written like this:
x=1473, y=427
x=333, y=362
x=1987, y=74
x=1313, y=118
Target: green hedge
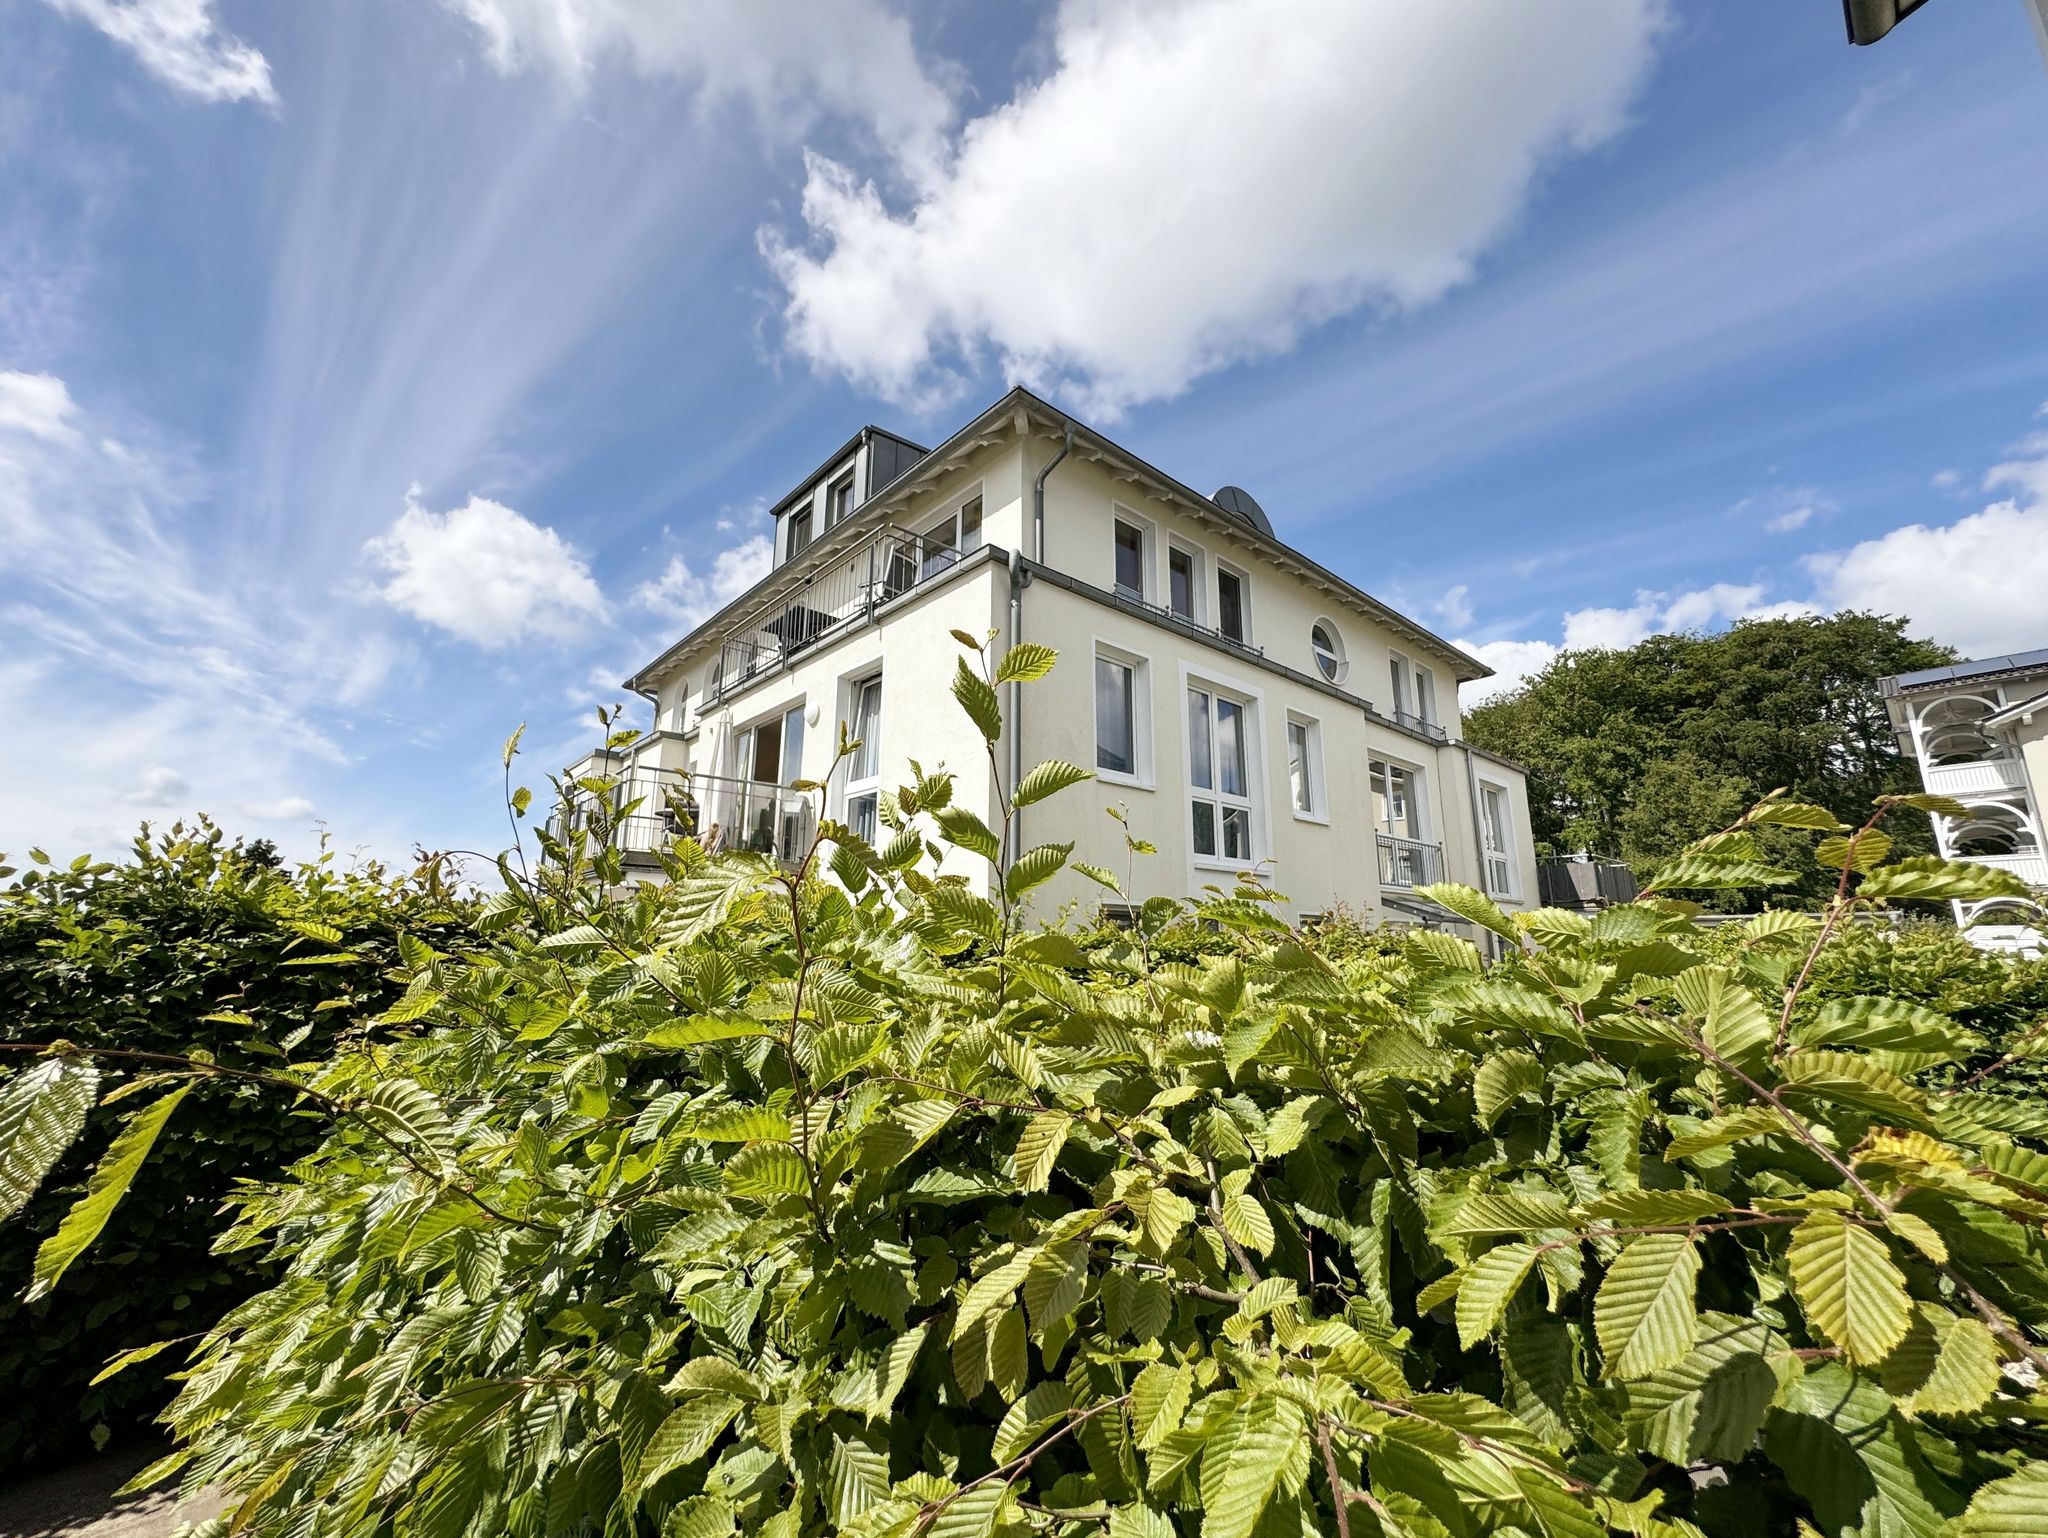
x=193, y=944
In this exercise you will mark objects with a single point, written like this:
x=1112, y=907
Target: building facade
x=1247, y=709
x=1979, y=732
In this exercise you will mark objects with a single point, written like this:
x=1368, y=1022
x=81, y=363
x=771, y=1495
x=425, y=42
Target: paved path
x=78, y=1502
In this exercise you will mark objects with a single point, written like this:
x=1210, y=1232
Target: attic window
x=1328, y=647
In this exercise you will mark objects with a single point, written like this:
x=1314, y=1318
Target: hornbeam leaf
x=109, y=1182
x=1641, y=1209
x=2013, y=1507
x=975, y=1514
x=1644, y=1314
x=1793, y=814
x=1503, y=1078
x=1026, y=663
x=1472, y=905
x=1034, y=868
x=1047, y=779
x=967, y=831
x=1847, y=1079
x=1930, y=876
x=993, y=1290
x=42, y=1111
x=1489, y=1284
x=1846, y=1283
x=1038, y=1149
x=1736, y=1026
x=1895, y=1025
x=1509, y=1212
x=1245, y=1459
x=1733, y=1127
x=978, y=698
x=1946, y=1365
x=1709, y=1406
x=685, y=1436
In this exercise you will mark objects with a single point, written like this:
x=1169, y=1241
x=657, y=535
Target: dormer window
x=839, y=501
x=799, y=532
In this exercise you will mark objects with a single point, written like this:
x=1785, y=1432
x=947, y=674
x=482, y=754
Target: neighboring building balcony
x=719, y=812
x=1421, y=724
x=836, y=596
x=2030, y=865
x=1984, y=776
x=1407, y=862
x=1584, y=884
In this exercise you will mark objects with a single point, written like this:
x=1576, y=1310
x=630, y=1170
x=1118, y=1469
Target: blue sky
x=375, y=376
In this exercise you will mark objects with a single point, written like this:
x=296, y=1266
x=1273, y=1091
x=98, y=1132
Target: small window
x=1230, y=604
x=1397, y=668
x=799, y=532
x=953, y=536
x=1116, y=719
x=1130, y=559
x=1329, y=650
x=839, y=500
x=1219, y=761
x=1181, y=582
x=1305, y=766
x=1425, y=696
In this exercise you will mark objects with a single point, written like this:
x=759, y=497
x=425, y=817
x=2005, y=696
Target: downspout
x=1016, y=721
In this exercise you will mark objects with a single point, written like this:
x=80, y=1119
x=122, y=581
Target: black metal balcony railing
x=1408, y=862
x=720, y=812
x=1137, y=602
x=1421, y=724
x=1566, y=883
x=840, y=593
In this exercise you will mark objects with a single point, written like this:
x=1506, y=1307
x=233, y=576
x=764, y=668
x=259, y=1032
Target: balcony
x=719, y=812
x=1982, y=776
x=1568, y=883
x=2030, y=865
x=841, y=593
x=1138, y=603
x=1419, y=724
x=1408, y=862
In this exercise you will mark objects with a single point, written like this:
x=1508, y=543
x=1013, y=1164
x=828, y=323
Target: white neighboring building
x=1250, y=709
x=1979, y=731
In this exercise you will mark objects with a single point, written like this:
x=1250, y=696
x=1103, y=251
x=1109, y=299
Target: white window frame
x=833, y=517
x=1318, y=808
x=1503, y=857
x=1252, y=701
x=1141, y=776
x=1425, y=694
x=949, y=520
x=808, y=512
x=1414, y=689
x=1340, y=652
x=1148, y=550
x=1418, y=798
x=1198, y=580
x=1244, y=601
x=862, y=782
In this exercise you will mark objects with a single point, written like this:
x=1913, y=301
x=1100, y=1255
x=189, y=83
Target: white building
x=1250, y=709
x=1979, y=731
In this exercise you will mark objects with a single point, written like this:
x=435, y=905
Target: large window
x=769, y=755
x=1414, y=691
x=955, y=535
x=1395, y=803
x=1219, y=777
x=1116, y=716
x=1123, y=720
x=1305, y=767
x=1183, y=583
x=1230, y=605
x=1130, y=559
x=1496, y=827
x=864, y=766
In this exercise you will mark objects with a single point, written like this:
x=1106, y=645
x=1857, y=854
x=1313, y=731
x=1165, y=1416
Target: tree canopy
x=1632, y=754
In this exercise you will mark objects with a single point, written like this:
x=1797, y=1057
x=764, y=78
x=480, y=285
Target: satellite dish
x=1241, y=504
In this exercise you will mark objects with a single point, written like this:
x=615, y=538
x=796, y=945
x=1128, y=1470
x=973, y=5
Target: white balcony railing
x=2030, y=865
x=1987, y=774
x=722, y=813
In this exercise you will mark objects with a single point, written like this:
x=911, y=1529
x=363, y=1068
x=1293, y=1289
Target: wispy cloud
x=182, y=43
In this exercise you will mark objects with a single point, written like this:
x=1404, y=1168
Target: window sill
x=1127, y=781
x=1318, y=818
x=1231, y=867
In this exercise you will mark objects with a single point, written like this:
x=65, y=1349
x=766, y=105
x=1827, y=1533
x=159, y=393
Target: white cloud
x=1455, y=607
x=485, y=573
x=1979, y=584
x=1198, y=181
x=159, y=788
x=1790, y=519
x=1944, y=480
x=38, y=405
x=1511, y=661
x=182, y=44
x=686, y=597
x=1785, y=508
x=283, y=809
x=788, y=62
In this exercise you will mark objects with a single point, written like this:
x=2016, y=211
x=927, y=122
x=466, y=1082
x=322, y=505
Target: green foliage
x=870, y=1212
x=192, y=945
x=1634, y=754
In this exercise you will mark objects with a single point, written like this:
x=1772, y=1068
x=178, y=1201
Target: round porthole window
x=1329, y=650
